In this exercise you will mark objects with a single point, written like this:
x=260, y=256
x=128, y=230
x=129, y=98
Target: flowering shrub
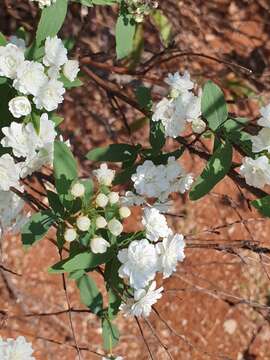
x=89, y=214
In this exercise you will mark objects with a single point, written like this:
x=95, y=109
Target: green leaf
x=37, y=227
x=89, y=188
x=157, y=136
x=55, y=203
x=56, y=119
x=51, y=21
x=143, y=95
x=164, y=26
x=70, y=84
x=81, y=261
x=124, y=34
x=215, y=170
x=110, y=334
x=214, y=108
x=75, y=275
x=263, y=205
x=65, y=168
x=3, y=40
x=35, y=120
x=114, y=153
x=90, y=295
x=124, y=176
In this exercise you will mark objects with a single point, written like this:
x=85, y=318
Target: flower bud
x=115, y=227
x=83, y=223
x=101, y=222
x=113, y=197
x=124, y=212
x=70, y=235
x=99, y=245
x=102, y=200
x=20, y=106
x=198, y=126
x=77, y=190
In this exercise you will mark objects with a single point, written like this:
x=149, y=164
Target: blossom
x=180, y=83
x=11, y=57
x=104, y=175
x=13, y=349
x=256, y=172
x=47, y=131
x=170, y=251
x=30, y=78
x=155, y=224
x=20, y=43
x=141, y=305
x=99, y=245
x=150, y=180
x=19, y=106
x=50, y=95
x=130, y=199
x=139, y=263
x=198, y=126
x=261, y=141
x=115, y=227
x=9, y=173
x=71, y=69
x=265, y=119
x=55, y=52
x=70, y=234
x=182, y=184
x=36, y=160
x=43, y=3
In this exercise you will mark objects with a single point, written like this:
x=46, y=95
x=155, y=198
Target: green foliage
x=110, y=334
x=65, y=168
x=143, y=95
x=215, y=170
x=214, y=108
x=114, y=153
x=90, y=295
x=51, y=21
x=263, y=205
x=3, y=40
x=157, y=136
x=37, y=227
x=70, y=84
x=124, y=34
x=163, y=25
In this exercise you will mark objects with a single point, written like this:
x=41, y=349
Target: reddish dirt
x=215, y=306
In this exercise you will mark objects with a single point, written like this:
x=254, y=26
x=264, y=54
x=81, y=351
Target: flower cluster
x=257, y=171
x=180, y=107
x=16, y=349
x=140, y=8
x=159, y=251
x=158, y=181
x=44, y=3
x=104, y=212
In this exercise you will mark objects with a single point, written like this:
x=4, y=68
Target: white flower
x=19, y=106
x=55, y=52
x=11, y=57
x=99, y=245
x=102, y=200
x=113, y=197
x=155, y=224
x=141, y=305
x=150, y=180
x=101, y=222
x=21, y=138
x=198, y=126
x=70, y=234
x=36, y=160
x=124, y=212
x=9, y=173
x=265, y=119
x=115, y=227
x=130, y=199
x=50, y=95
x=83, y=223
x=180, y=83
x=43, y=3
x=261, y=141
x=170, y=251
x=77, y=190
x=30, y=78
x=140, y=263
x=20, y=43
x=182, y=184
x=16, y=349
x=104, y=175
x=256, y=172
x=53, y=72
x=71, y=69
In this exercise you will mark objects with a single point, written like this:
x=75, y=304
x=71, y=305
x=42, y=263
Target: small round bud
x=115, y=227
x=99, y=245
x=124, y=212
x=198, y=126
x=102, y=200
x=70, y=235
x=101, y=222
x=113, y=197
x=83, y=223
x=77, y=190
